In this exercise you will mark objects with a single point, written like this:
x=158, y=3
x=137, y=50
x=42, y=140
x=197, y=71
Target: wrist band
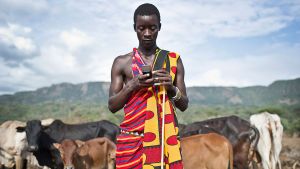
x=177, y=96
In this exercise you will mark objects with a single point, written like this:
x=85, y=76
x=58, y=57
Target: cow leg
x=111, y=165
x=279, y=164
x=19, y=162
x=254, y=165
x=57, y=159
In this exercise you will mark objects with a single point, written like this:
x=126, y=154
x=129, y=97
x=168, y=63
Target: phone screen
x=147, y=69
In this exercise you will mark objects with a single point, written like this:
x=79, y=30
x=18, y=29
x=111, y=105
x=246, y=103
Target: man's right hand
x=140, y=81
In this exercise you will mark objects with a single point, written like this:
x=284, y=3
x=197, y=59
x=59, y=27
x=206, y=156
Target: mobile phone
x=147, y=69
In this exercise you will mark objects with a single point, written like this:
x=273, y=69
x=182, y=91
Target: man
x=142, y=96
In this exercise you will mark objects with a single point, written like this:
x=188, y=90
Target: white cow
x=269, y=144
x=13, y=145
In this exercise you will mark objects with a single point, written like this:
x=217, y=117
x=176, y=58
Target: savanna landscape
x=75, y=103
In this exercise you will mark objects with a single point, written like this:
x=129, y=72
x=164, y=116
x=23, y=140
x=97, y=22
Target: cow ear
x=20, y=129
x=45, y=127
x=57, y=145
x=112, y=155
x=79, y=143
x=83, y=150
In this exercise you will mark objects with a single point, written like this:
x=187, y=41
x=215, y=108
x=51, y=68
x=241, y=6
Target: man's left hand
x=163, y=77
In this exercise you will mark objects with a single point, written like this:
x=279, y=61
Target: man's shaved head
x=146, y=9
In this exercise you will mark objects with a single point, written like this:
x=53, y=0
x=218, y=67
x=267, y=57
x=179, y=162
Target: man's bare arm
x=117, y=94
x=120, y=93
x=183, y=102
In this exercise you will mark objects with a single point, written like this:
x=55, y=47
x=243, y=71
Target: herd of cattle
x=219, y=143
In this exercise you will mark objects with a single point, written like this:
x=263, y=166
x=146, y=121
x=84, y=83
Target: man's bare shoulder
x=123, y=58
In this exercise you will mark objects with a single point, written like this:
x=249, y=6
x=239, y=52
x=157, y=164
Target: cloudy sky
x=221, y=42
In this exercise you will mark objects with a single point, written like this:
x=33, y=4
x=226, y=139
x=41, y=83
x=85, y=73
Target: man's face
x=147, y=28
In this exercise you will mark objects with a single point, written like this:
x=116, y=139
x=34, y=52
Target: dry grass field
x=290, y=154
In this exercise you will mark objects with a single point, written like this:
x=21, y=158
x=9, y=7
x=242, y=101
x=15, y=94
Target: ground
x=290, y=154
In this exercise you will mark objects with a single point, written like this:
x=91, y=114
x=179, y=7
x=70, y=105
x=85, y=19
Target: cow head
x=246, y=146
x=83, y=149
x=33, y=131
x=111, y=156
x=67, y=149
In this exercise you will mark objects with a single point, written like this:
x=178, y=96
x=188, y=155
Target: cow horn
x=255, y=134
x=245, y=133
x=69, y=167
x=295, y=165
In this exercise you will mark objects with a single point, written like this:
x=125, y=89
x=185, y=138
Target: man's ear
x=134, y=27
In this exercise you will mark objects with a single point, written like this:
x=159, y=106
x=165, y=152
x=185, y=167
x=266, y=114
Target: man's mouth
x=147, y=40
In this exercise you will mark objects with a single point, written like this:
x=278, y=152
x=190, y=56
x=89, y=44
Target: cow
x=40, y=139
x=200, y=130
x=181, y=128
x=238, y=131
x=269, y=144
x=98, y=153
x=13, y=145
x=206, y=151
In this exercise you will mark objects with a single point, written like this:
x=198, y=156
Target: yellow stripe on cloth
x=128, y=164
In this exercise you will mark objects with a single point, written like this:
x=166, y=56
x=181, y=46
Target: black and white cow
x=40, y=139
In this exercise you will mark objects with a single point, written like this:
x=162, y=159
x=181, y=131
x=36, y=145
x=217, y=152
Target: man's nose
x=147, y=33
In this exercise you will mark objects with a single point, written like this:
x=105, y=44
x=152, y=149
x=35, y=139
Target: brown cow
x=241, y=134
x=207, y=151
x=98, y=153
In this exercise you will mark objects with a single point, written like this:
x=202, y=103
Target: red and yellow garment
x=143, y=114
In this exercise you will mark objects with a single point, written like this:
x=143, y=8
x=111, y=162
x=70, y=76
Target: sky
x=221, y=42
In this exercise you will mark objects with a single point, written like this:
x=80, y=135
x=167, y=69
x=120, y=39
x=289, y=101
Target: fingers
x=160, y=77
x=163, y=84
x=160, y=72
x=144, y=80
x=147, y=81
x=143, y=77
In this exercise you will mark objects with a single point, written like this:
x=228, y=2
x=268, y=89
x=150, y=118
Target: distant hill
x=95, y=92
x=84, y=102
x=283, y=92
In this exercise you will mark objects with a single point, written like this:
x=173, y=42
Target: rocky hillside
x=88, y=102
x=95, y=92
x=284, y=92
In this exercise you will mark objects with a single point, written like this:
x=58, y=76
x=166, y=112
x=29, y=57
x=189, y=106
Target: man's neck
x=147, y=52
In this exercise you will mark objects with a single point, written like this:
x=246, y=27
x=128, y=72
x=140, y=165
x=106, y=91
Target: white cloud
x=54, y=61
x=18, y=78
x=272, y=62
x=75, y=39
x=27, y=6
x=226, y=18
x=17, y=36
x=72, y=58
x=213, y=77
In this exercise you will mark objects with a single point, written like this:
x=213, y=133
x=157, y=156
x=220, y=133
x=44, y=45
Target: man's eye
x=153, y=28
x=141, y=28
